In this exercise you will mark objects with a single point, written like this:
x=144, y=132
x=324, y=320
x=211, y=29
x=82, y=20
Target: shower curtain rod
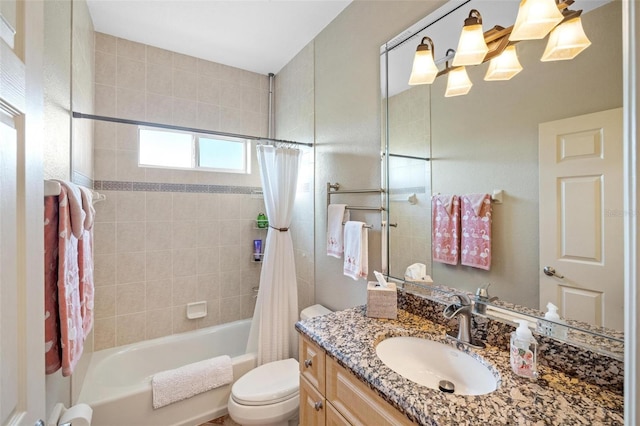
x=411, y=157
x=182, y=128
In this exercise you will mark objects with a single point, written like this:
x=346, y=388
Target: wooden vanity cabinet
x=332, y=395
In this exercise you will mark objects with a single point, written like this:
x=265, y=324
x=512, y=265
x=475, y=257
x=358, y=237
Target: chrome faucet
x=463, y=312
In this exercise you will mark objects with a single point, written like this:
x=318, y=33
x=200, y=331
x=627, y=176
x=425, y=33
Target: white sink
x=430, y=363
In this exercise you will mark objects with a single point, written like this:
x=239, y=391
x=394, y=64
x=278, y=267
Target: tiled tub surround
x=555, y=398
x=157, y=251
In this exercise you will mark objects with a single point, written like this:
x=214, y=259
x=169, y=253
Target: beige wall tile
x=156, y=174
x=159, y=108
x=252, y=124
x=185, y=234
x=104, y=272
x=208, y=260
x=106, y=209
x=233, y=257
x=209, y=89
x=208, y=233
x=131, y=49
x=185, y=112
x=105, y=302
x=130, y=236
x=159, y=56
x=185, y=84
x=184, y=176
x=159, y=235
x=185, y=62
x=231, y=232
x=159, y=294
x=230, y=74
x=127, y=169
x=208, y=207
x=104, y=135
x=159, y=323
x=127, y=137
x=130, y=104
x=105, y=164
x=184, y=262
x=248, y=306
x=159, y=265
x=184, y=206
x=208, y=116
x=104, y=237
x=104, y=333
x=130, y=74
x=130, y=298
x=251, y=98
x=231, y=206
x=105, y=100
x=252, y=79
x=105, y=43
x=105, y=69
x=185, y=290
x=208, y=68
x=130, y=206
x=213, y=314
x=208, y=286
x=230, y=284
x=230, y=309
x=159, y=79
x=180, y=321
x=231, y=120
x=130, y=267
x=159, y=206
x=130, y=328
x=231, y=96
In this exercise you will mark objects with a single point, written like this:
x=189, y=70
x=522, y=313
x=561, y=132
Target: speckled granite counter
x=350, y=337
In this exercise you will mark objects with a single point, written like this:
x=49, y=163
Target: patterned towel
x=445, y=229
x=476, y=230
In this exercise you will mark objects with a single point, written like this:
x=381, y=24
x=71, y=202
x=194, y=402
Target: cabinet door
x=312, y=405
x=312, y=363
x=334, y=418
x=356, y=401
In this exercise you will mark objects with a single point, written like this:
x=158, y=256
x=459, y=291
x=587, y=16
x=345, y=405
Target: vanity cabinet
x=332, y=395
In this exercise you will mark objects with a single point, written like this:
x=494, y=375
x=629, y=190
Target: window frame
x=195, y=151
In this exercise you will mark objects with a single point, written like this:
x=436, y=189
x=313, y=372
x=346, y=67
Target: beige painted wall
x=488, y=140
x=347, y=108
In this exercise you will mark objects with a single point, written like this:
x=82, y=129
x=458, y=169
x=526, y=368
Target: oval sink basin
x=436, y=365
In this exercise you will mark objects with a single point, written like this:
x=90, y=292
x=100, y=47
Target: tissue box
x=382, y=302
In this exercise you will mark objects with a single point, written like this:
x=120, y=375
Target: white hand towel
x=184, y=382
x=337, y=214
x=356, y=251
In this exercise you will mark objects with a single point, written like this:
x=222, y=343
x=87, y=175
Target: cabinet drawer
x=312, y=364
x=312, y=405
x=334, y=418
x=357, y=403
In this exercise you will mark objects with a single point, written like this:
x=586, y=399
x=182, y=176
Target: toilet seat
x=268, y=384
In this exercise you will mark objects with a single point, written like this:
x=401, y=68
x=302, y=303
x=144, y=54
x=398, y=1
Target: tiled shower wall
x=165, y=238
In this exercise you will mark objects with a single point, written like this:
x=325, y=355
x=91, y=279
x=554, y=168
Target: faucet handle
x=464, y=299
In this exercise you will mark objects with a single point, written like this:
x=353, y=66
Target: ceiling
x=256, y=35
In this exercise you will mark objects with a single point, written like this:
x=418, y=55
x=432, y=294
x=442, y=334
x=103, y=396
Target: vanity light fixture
x=424, y=69
x=566, y=40
x=458, y=82
x=536, y=18
x=472, y=47
x=504, y=66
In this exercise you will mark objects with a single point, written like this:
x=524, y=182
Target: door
x=581, y=208
x=22, y=383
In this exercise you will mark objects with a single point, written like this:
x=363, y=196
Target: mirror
x=487, y=140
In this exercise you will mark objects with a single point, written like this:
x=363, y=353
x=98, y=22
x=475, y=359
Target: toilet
x=269, y=395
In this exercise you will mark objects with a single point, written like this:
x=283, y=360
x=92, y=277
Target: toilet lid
x=270, y=383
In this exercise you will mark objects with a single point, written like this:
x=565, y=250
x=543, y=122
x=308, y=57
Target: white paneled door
x=581, y=217
x=22, y=394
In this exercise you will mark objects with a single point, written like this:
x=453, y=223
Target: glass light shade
x=536, y=18
x=504, y=66
x=566, y=41
x=458, y=82
x=471, y=48
x=424, y=69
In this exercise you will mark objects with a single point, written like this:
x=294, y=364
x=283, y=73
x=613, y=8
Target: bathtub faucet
x=462, y=312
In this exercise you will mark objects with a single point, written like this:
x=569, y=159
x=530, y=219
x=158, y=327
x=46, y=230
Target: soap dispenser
x=554, y=326
x=524, y=350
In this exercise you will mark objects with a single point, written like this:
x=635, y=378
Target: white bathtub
x=118, y=381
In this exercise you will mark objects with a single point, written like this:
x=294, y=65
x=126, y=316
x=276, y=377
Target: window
x=184, y=150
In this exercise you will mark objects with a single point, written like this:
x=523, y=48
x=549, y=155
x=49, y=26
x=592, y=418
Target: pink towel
x=53, y=360
x=476, y=230
x=445, y=228
x=337, y=214
x=356, y=250
x=85, y=263
x=69, y=305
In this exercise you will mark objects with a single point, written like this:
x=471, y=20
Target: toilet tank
x=313, y=311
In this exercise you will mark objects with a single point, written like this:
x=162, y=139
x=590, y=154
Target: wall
x=294, y=96
x=497, y=147
x=165, y=238
x=348, y=110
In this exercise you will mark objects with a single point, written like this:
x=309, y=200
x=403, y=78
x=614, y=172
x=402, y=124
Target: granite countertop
x=350, y=337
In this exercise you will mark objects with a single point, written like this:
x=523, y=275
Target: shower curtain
x=272, y=334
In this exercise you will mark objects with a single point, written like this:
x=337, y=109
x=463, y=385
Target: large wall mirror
x=489, y=140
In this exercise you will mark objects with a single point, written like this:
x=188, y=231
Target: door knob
x=551, y=272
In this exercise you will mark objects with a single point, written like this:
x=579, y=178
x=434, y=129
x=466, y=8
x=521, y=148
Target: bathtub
x=118, y=381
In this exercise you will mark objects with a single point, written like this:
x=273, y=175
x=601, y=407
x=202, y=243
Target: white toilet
x=269, y=395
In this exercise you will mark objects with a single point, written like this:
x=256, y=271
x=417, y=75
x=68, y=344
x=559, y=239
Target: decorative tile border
x=110, y=185
x=80, y=179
